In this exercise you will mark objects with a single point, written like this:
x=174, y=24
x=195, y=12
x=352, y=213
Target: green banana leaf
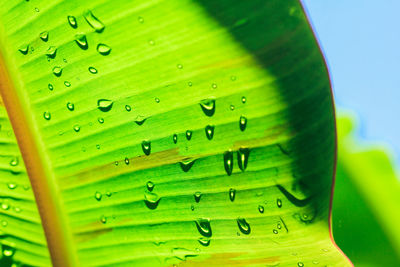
x=166, y=133
x=365, y=208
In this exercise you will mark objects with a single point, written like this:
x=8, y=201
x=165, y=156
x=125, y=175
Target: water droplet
x=189, y=135
x=126, y=160
x=98, y=146
x=244, y=227
x=243, y=157
x=92, y=70
x=192, y=207
x=228, y=162
x=243, y=99
x=197, y=196
x=279, y=202
x=242, y=123
x=151, y=42
x=67, y=84
x=261, y=208
x=204, y=227
x=232, y=107
x=186, y=165
x=47, y=115
x=128, y=108
x=14, y=162
x=51, y=52
x=179, y=66
x=103, y=219
x=81, y=41
x=214, y=86
x=157, y=100
x=204, y=241
x=44, y=36
x=140, y=19
x=57, y=71
x=7, y=251
x=232, y=194
x=77, y=128
x=108, y=193
x=233, y=78
x=275, y=231
x=300, y=264
x=150, y=186
x=175, y=138
x=209, y=131
x=4, y=223
x=70, y=106
x=146, y=147
x=208, y=106
x=104, y=104
x=100, y=120
x=103, y=49
x=50, y=86
x=12, y=186
x=151, y=200
x=190, y=84
x=98, y=196
x=5, y=206
x=24, y=50
x=72, y=22
x=140, y=120
x=279, y=226
x=94, y=22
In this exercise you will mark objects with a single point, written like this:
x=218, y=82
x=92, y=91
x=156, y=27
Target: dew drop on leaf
x=126, y=160
x=51, y=52
x=300, y=264
x=190, y=84
x=47, y=115
x=104, y=104
x=94, y=22
x=50, y=86
x=232, y=107
x=77, y=128
x=209, y=131
x=243, y=157
x=5, y=206
x=275, y=231
x=243, y=99
x=214, y=86
x=244, y=227
x=81, y=41
x=157, y=100
x=140, y=120
x=14, y=162
x=204, y=241
x=67, y=84
x=44, y=36
x=24, y=50
x=179, y=66
x=242, y=123
x=197, y=196
x=72, y=22
x=103, y=219
x=261, y=208
x=186, y=165
x=232, y=194
x=70, y=106
x=100, y=120
x=92, y=70
x=233, y=78
x=12, y=186
x=128, y=108
x=151, y=200
x=175, y=138
x=103, y=49
x=204, y=227
x=140, y=19
x=98, y=196
x=146, y=147
x=57, y=71
x=228, y=162
x=208, y=106
x=279, y=202
x=189, y=135
x=7, y=251
x=150, y=186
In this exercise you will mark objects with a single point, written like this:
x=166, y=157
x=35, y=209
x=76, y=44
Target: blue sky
x=361, y=43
